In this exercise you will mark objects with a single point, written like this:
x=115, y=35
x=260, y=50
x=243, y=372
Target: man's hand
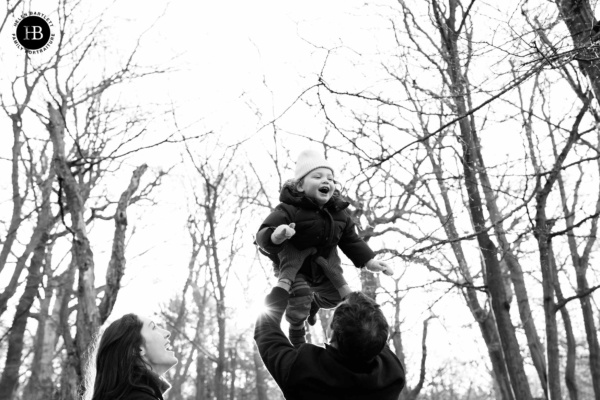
x=283, y=233
x=374, y=265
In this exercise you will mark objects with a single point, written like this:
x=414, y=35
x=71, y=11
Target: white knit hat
x=308, y=161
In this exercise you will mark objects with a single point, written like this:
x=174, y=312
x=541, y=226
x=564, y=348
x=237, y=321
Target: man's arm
x=275, y=349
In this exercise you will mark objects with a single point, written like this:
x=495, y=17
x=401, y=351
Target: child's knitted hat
x=308, y=161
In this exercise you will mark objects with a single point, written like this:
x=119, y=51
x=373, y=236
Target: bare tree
x=10, y=374
x=576, y=16
x=179, y=315
x=215, y=210
x=40, y=385
x=261, y=377
x=582, y=24
x=409, y=393
x=80, y=118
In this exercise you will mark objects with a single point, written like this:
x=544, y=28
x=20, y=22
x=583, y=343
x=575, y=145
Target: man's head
x=360, y=329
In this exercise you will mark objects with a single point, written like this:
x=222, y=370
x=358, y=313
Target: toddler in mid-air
x=313, y=214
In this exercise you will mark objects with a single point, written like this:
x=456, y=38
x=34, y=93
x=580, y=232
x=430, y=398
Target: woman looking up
x=133, y=354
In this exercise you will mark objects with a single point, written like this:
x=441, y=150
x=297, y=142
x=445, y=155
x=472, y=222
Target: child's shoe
x=312, y=316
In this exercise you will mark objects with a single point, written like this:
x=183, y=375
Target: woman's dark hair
x=119, y=363
x=359, y=327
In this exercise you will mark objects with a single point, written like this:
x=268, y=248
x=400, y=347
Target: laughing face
x=157, y=349
x=318, y=185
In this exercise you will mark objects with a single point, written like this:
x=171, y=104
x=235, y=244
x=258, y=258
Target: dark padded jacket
x=316, y=373
x=138, y=394
x=321, y=227
x=152, y=389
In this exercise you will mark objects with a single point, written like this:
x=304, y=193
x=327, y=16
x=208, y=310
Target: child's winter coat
x=323, y=228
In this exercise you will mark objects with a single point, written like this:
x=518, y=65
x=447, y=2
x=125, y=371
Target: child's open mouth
x=324, y=189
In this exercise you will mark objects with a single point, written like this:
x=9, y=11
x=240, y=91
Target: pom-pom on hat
x=308, y=161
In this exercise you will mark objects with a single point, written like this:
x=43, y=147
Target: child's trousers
x=301, y=295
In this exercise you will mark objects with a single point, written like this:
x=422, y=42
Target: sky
x=227, y=61
x=231, y=59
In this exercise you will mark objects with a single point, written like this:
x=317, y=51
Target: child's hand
x=283, y=233
x=374, y=265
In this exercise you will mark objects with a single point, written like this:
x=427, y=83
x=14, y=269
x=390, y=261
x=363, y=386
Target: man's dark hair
x=360, y=329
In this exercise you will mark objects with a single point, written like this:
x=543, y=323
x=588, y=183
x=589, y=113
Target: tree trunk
x=116, y=265
x=232, y=372
x=495, y=282
x=220, y=368
x=590, y=328
x=40, y=385
x=180, y=373
x=202, y=385
x=542, y=230
x=202, y=389
x=516, y=272
x=17, y=201
x=10, y=376
x=212, y=200
x=570, y=375
x=13, y=284
x=88, y=319
x=324, y=320
x=548, y=279
x=69, y=379
x=44, y=224
x=396, y=335
x=580, y=264
x=369, y=282
x=25, y=92
x=485, y=320
x=579, y=18
x=261, y=376
x=412, y=394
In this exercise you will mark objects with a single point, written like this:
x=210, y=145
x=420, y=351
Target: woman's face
x=156, y=349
